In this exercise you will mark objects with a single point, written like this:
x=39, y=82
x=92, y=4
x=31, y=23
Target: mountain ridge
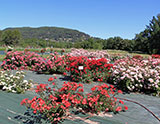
x=51, y=33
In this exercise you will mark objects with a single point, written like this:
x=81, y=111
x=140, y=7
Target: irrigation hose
x=140, y=105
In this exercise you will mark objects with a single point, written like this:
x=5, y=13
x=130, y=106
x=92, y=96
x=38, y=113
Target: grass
x=35, y=49
x=2, y=48
x=124, y=53
x=2, y=57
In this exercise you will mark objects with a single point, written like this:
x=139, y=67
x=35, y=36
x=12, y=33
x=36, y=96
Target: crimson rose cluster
x=88, y=69
x=53, y=103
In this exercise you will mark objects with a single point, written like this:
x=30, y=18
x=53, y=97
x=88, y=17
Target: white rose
x=156, y=86
x=132, y=73
x=3, y=83
x=140, y=75
x=11, y=75
x=25, y=81
x=151, y=80
x=5, y=74
x=17, y=77
x=10, y=88
x=2, y=76
x=13, y=91
x=7, y=78
x=4, y=88
x=129, y=88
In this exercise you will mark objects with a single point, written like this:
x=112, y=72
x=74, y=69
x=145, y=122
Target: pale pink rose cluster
x=137, y=74
x=95, y=54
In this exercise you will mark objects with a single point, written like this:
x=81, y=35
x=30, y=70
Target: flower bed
x=135, y=74
x=14, y=83
x=88, y=69
x=53, y=103
x=32, y=61
x=132, y=74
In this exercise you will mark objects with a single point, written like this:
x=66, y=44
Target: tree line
x=147, y=41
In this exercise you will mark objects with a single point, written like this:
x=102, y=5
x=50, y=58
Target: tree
x=78, y=45
x=11, y=37
x=149, y=39
x=141, y=42
x=154, y=35
x=0, y=35
x=1, y=43
x=97, y=46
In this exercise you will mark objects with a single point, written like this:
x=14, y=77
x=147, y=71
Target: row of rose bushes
x=132, y=74
x=92, y=68
x=53, y=103
x=32, y=61
x=89, y=54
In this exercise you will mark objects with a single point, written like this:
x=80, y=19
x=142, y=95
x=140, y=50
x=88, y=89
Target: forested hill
x=52, y=33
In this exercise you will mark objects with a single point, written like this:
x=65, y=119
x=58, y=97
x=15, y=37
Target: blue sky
x=98, y=18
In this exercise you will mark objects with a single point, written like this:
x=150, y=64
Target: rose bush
x=88, y=69
x=156, y=56
x=53, y=64
x=14, y=83
x=53, y=103
x=102, y=99
x=137, y=74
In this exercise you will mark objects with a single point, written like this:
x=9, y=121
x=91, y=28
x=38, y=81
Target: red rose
x=125, y=107
x=120, y=101
x=51, y=79
x=84, y=101
x=64, y=74
x=119, y=108
x=81, y=90
x=93, y=88
x=67, y=104
x=24, y=101
x=119, y=91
